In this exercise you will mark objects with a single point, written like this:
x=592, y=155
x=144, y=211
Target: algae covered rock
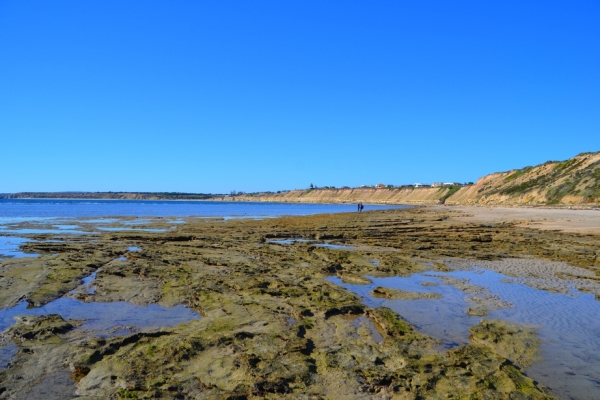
x=38, y=328
x=355, y=279
x=397, y=294
x=518, y=343
x=272, y=325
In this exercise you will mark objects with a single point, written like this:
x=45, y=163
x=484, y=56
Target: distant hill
x=108, y=195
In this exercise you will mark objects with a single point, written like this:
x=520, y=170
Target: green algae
x=247, y=290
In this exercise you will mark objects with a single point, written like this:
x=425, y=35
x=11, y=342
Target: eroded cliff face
x=575, y=181
x=369, y=195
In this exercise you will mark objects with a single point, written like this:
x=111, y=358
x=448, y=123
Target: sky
x=216, y=96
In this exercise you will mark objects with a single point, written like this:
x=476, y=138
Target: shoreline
x=348, y=202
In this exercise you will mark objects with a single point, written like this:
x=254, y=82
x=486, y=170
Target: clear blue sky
x=214, y=96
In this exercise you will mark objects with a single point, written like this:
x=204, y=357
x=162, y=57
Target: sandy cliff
x=574, y=181
x=366, y=195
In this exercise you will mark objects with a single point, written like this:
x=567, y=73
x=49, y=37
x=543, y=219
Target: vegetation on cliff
x=574, y=181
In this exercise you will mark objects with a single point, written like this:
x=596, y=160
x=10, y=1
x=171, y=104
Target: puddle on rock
x=569, y=325
x=364, y=321
x=290, y=241
x=57, y=386
x=87, y=283
x=35, y=231
x=7, y=353
x=88, y=279
x=103, y=319
x=119, y=229
x=98, y=220
x=134, y=248
x=9, y=247
x=68, y=227
x=300, y=240
x=335, y=246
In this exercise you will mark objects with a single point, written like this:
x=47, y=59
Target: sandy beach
x=562, y=219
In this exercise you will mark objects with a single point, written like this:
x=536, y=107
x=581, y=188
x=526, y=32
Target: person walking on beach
x=361, y=206
x=358, y=207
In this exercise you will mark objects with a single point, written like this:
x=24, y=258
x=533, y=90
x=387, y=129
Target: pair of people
x=360, y=206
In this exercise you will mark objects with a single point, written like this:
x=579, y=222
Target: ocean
x=15, y=210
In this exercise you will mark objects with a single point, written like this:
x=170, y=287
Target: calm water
x=20, y=210
x=9, y=247
x=104, y=319
x=569, y=325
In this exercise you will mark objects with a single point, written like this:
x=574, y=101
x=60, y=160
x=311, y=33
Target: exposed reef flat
x=272, y=324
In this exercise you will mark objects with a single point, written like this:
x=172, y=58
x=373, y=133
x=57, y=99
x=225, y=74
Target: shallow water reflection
x=104, y=319
x=36, y=231
x=569, y=324
x=57, y=386
x=290, y=241
x=335, y=246
x=116, y=229
x=9, y=247
x=7, y=352
x=300, y=240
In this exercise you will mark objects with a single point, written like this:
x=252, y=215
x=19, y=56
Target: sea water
x=21, y=210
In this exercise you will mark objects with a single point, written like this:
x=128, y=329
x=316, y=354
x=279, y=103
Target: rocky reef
x=272, y=325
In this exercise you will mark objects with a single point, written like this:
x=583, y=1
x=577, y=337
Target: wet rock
x=517, y=343
x=397, y=294
x=38, y=328
x=355, y=279
x=248, y=289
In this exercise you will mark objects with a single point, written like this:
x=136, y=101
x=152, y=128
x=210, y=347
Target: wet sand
x=562, y=219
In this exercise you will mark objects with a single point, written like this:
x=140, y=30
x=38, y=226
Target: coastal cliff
x=349, y=195
x=572, y=182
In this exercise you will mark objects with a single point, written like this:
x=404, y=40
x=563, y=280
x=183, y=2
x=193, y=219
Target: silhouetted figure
x=358, y=207
x=361, y=207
